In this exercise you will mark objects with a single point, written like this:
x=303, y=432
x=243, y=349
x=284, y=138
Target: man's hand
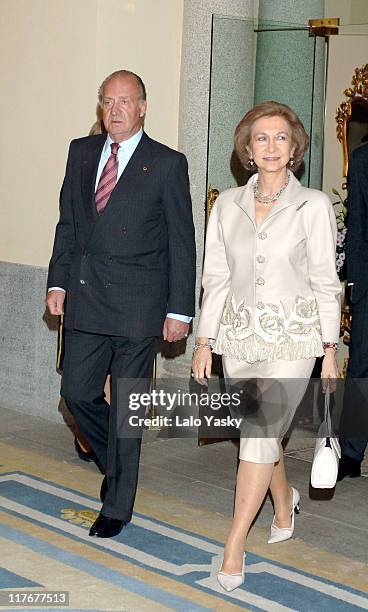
x=55, y=302
x=174, y=330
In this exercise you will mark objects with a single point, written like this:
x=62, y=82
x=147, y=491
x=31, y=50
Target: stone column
x=193, y=125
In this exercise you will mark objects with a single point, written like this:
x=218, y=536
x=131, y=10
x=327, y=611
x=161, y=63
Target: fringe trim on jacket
x=254, y=348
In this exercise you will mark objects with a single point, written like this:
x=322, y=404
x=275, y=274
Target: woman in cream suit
x=271, y=305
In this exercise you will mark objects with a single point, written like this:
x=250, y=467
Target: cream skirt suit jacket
x=271, y=292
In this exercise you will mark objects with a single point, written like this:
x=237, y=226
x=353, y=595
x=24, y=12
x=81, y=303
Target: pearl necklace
x=264, y=199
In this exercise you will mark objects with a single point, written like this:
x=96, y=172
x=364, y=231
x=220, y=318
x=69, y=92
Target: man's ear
x=143, y=108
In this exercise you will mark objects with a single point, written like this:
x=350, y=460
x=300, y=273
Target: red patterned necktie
x=108, y=178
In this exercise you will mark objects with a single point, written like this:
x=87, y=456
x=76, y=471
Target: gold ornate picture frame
x=212, y=195
x=357, y=100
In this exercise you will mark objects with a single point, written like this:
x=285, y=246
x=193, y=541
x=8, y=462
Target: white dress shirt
x=125, y=152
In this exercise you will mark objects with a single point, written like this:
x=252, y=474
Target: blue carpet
x=161, y=548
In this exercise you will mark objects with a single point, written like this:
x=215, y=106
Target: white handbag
x=327, y=453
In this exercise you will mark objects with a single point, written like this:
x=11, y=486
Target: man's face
x=122, y=108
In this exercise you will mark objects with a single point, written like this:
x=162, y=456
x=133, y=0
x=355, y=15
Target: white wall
x=145, y=36
x=53, y=56
x=47, y=63
x=349, y=11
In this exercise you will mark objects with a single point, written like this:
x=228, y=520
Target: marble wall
x=290, y=68
x=231, y=95
x=29, y=382
x=194, y=115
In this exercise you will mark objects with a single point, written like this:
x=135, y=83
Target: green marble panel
x=231, y=96
x=290, y=68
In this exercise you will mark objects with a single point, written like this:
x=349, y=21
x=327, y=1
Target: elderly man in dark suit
x=354, y=422
x=124, y=256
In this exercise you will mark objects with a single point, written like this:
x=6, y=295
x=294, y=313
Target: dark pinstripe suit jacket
x=357, y=236
x=125, y=269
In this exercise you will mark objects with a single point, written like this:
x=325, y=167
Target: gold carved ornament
x=358, y=92
x=212, y=195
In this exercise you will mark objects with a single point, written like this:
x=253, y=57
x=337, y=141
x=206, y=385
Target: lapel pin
x=302, y=204
x=145, y=169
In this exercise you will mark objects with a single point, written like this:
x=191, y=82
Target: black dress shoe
x=103, y=489
x=84, y=455
x=106, y=527
x=348, y=467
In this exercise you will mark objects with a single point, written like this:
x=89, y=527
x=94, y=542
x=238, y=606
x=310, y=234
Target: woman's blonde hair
x=300, y=139
x=98, y=126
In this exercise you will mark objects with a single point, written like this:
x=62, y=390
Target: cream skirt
x=272, y=392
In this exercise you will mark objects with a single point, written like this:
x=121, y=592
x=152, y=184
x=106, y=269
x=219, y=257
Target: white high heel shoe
x=279, y=534
x=229, y=582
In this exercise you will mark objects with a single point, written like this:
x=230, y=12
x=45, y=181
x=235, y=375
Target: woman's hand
x=202, y=361
x=330, y=371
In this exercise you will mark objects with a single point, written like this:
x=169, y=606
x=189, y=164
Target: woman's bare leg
x=282, y=494
x=253, y=481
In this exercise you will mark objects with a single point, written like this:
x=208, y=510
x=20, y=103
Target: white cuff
x=179, y=317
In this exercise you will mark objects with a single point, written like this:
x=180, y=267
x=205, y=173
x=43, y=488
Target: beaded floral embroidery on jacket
x=270, y=331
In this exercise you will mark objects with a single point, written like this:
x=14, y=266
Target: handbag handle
x=327, y=412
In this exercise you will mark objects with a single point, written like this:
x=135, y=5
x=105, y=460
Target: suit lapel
x=90, y=163
x=126, y=188
x=245, y=200
x=292, y=195
x=135, y=171
x=136, y=166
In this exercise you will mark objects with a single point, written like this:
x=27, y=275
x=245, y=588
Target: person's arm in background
x=357, y=235
x=325, y=284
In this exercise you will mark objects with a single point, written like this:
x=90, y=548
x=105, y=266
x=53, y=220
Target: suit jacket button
x=82, y=282
x=261, y=259
x=260, y=281
x=262, y=235
x=124, y=230
x=260, y=305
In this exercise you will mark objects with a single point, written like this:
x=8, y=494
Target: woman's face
x=271, y=143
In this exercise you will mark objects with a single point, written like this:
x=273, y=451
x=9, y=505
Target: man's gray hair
x=122, y=73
